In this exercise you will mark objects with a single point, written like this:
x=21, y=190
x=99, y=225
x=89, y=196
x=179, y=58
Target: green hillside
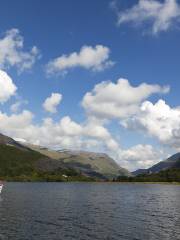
x=26, y=165
x=89, y=163
x=169, y=175
x=34, y=163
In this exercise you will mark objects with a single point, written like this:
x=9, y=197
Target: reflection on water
x=55, y=211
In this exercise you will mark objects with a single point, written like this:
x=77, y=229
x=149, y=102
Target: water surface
x=106, y=211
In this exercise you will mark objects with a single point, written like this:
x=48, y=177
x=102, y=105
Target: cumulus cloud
x=7, y=87
x=161, y=16
x=51, y=103
x=118, y=100
x=47, y=133
x=64, y=133
x=16, y=122
x=12, y=53
x=69, y=134
x=158, y=120
x=95, y=129
x=93, y=58
x=140, y=156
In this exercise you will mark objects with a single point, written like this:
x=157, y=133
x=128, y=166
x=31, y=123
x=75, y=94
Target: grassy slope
x=100, y=163
x=19, y=165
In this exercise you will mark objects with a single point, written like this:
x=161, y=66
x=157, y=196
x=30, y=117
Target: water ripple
x=89, y=211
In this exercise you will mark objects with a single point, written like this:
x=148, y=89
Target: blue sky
x=140, y=43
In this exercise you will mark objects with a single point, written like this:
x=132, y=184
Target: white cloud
x=93, y=58
x=7, y=87
x=161, y=16
x=16, y=122
x=51, y=103
x=68, y=134
x=95, y=129
x=69, y=127
x=140, y=156
x=118, y=100
x=12, y=53
x=111, y=100
x=158, y=120
x=64, y=133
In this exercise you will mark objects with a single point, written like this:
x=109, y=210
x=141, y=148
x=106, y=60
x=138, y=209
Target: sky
x=98, y=76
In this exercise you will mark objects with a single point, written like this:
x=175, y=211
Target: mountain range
x=19, y=161
x=28, y=162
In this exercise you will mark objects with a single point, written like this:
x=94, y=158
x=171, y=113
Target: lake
x=112, y=211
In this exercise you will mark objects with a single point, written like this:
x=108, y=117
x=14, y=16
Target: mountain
x=20, y=163
x=89, y=163
x=25, y=162
x=139, y=171
x=170, y=163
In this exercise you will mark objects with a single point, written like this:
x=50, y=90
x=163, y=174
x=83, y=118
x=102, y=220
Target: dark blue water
x=55, y=211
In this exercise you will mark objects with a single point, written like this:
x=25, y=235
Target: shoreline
x=94, y=182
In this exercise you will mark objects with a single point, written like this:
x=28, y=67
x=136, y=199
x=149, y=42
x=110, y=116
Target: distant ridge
x=169, y=163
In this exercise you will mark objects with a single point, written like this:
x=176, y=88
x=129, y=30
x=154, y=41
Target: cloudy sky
x=93, y=75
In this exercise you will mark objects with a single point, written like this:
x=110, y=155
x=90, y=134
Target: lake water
x=112, y=211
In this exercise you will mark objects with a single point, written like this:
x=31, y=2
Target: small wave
x=48, y=223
